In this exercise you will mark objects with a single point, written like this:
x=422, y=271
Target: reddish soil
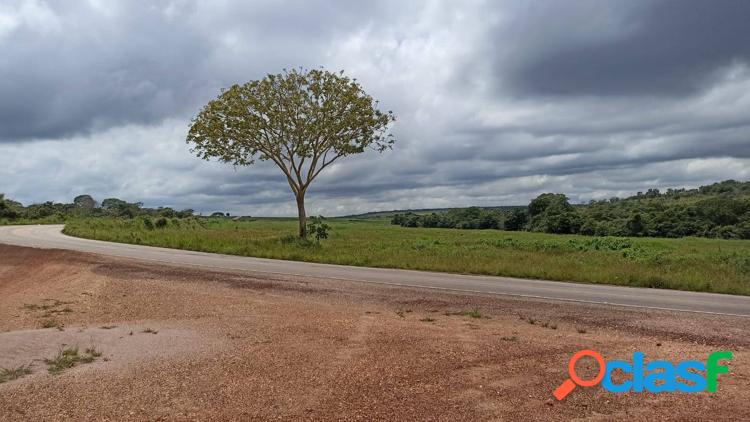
x=231, y=346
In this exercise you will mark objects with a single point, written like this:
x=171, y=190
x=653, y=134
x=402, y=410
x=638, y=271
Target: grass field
x=698, y=264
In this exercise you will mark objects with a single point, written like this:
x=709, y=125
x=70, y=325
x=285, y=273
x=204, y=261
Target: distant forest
x=720, y=210
x=83, y=206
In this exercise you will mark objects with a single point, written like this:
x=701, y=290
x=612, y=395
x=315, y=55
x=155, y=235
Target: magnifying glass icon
x=570, y=384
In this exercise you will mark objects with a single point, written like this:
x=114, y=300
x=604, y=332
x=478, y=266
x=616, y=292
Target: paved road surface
x=50, y=236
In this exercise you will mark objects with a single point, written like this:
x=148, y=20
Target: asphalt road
x=50, y=236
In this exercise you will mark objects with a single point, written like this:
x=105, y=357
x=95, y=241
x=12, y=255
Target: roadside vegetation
x=13, y=212
x=699, y=264
x=721, y=210
x=616, y=241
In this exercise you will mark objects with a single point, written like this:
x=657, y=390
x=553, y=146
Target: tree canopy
x=301, y=120
x=82, y=205
x=85, y=203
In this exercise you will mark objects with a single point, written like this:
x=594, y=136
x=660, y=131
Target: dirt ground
x=189, y=344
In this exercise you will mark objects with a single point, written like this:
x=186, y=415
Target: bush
x=465, y=218
x=148, y=224
x=516, y=220
x=161, y=223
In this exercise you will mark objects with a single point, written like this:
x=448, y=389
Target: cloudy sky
x=497, y=101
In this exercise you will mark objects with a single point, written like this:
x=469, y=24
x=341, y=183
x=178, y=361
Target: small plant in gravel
x=13, y=374
x=400, y=313
x=93, y=352
x=53, y=303
x=150, y=331
x=69, y=357
x=427, y=319
x=581, y=330
x=53, y=312
x=108, y=327
x=51, y=323
x=509, y=338
x=474, y=313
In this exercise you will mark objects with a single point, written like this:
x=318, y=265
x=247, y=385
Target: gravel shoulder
x=186, y=344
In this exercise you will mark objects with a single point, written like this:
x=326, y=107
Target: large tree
x=301, y=120
x=84, y=202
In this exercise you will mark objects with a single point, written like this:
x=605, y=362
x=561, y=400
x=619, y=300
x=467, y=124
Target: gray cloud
x=653, y=48
x=497, y=101
x=72, y=68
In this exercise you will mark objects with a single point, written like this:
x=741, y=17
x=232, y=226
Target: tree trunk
x=302, y=215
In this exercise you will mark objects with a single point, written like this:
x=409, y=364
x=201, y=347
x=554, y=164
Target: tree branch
x=325, y=164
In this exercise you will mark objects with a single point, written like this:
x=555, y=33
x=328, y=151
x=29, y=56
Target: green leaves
x=318, y=228
x=302, y=120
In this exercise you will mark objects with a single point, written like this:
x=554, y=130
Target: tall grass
x=697, y=264
x=52, y=219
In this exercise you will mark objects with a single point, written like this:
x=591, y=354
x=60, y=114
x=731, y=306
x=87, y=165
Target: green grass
x=70, y=357
x=698, y=264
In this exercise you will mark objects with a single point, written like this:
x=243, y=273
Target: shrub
x=318, y=228
x=148, y=224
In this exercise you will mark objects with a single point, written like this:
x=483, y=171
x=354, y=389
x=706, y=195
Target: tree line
x=720, y=210
x=83, y=206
